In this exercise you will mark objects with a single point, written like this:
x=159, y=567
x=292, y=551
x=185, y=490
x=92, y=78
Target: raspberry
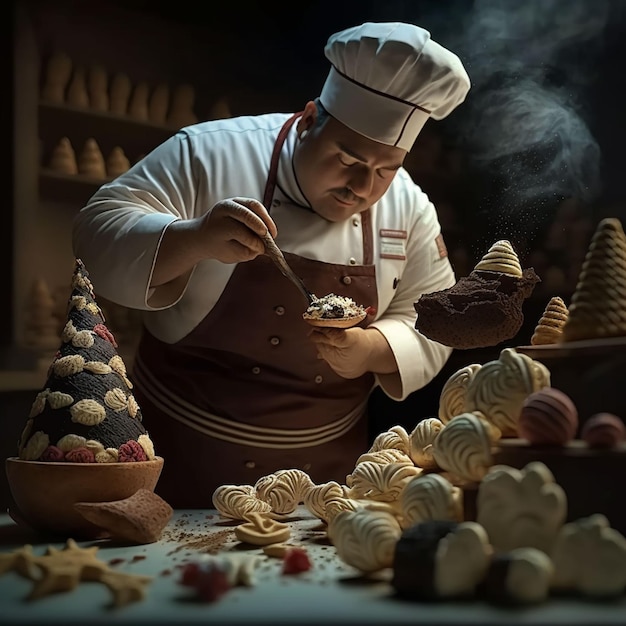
x=296, y=560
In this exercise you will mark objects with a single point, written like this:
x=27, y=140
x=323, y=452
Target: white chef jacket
x=118, y=233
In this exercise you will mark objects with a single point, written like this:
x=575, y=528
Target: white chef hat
x=387, y=79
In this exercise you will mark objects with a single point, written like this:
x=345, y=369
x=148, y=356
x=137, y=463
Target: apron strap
x=270, y=185
x=273, y=173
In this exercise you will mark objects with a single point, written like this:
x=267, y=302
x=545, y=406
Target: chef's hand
x=231, y=230
x=352, y=352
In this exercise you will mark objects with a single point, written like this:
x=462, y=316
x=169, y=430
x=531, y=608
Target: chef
x=232, y=382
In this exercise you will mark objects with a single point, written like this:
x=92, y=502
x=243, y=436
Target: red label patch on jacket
x=441, y=246
x=393, y=244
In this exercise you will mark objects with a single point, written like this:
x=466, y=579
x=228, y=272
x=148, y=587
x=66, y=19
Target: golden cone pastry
x=550, y=327
x=501, y=258
x=598, y=307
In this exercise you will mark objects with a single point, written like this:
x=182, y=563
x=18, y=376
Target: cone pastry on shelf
x=598, y=306
x=549, y=329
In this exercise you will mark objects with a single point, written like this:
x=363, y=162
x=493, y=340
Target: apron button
x=346, y=280
x=275, y=202
x=318, y=379
x=352, y=261
x=274, y=341
x=355, y=221
x=279, y=310
x=256, y=370
x=250, y=464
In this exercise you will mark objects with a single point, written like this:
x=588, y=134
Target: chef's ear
x=309, y=116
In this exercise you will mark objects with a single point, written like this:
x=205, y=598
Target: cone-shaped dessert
x=86, y=411
x=482, y=309
x=549, y=329
x=598, y=307
x=501, y=258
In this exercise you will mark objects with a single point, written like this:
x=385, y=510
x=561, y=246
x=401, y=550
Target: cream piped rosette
x=452, y=398
x=590, y=558
x=463, y=447
x=237, y=501
x=384, y=456
x=501, y=257
x=283, y=490
x=500, y=387
x=381, y=482
x=318, y=496
x=421, y=439
x=430, y=497
x=395, y=438
x=334, y=506
x=365, y=539
x=521, y=508
x=549, y=329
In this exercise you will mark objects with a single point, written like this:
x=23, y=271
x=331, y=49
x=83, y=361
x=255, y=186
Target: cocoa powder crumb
x=210, y=543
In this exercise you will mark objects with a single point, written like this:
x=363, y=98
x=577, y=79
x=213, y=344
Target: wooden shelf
x=135, y=137
x=22, y=380
x=67, y=188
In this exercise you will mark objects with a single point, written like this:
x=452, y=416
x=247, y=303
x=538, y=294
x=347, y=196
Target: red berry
x=212, y=584
x=190, y=573
x=296, y=560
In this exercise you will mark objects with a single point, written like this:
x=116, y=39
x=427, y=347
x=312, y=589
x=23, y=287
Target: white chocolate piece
x=237, y=501
x=384, y=456
x=430, y=497
x=384, y=483
x=461, y=560
x=590, y=557
x=463, y=447
x=365, y=539
x=238, y=567
x=396, y=437
x=521, y=508
x=261, y=530
x=529, y=576
x=500, y=387
x=316, y=498
x=452, y=398
x=283, y=490
x=421, y=439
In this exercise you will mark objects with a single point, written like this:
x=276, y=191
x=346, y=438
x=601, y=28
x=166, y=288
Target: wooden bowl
x=44, y=493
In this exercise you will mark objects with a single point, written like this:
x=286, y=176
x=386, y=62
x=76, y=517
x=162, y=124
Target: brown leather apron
x=244, y=394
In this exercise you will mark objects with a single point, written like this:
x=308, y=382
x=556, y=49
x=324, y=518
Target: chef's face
x=340, y=172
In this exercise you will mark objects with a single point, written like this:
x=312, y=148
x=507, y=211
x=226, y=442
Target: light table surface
x=330, y=593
